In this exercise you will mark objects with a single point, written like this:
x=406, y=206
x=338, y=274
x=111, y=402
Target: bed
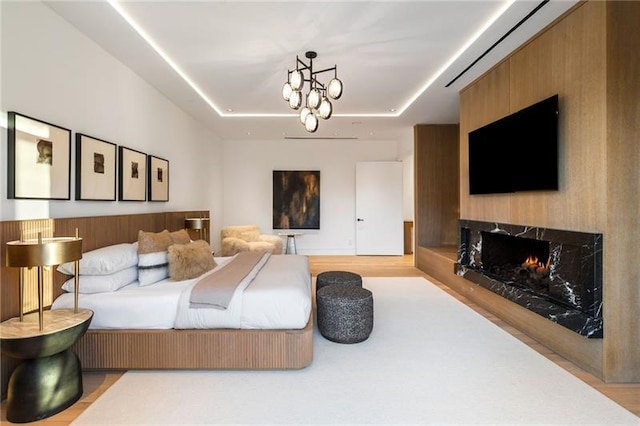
x=252, y=345
x=276, y=294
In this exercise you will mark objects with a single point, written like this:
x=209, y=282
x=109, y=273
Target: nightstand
x=49, y=377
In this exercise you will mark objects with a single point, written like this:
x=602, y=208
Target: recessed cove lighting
x=228, y=112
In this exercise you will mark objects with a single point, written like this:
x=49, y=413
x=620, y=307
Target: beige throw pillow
x=152, y=242
x=188, y=261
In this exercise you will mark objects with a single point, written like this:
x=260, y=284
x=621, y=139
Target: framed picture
x=132, y=172
x=95, y=169
x=158, y=178
x=296, y=199
x=39, y=159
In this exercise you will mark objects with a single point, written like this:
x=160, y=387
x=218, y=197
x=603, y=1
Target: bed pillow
x=188, y=261
x=153, y=263
x=102, y=283
x=104, y=261
x=180, y=237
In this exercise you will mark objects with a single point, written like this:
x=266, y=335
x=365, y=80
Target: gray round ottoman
x=337, y=277
x=345, y=313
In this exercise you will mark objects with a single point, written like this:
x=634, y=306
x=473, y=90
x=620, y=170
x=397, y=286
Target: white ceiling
x=394, y=57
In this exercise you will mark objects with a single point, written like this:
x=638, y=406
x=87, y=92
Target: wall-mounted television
x=516, y=153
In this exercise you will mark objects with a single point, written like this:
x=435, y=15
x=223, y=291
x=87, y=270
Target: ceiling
x=229, y=59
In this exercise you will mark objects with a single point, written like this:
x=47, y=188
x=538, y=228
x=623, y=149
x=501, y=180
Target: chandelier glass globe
x=335, y=88
x=313, y=98
x=295, y=100
x=311, y=123
x=304, y=112
x=325, y=109
x=296, y=80
x=286, y=91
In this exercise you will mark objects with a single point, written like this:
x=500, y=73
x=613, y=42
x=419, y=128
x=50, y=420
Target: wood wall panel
x=621, y=248
x=485, y=101
x=437, y=181
x=590, y=58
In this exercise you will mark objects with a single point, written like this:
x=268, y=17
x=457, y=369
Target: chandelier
x=316, y=103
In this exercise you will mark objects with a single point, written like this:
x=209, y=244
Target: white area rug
x=429, y=360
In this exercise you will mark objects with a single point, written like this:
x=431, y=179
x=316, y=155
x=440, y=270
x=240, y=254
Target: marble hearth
x=554, y=273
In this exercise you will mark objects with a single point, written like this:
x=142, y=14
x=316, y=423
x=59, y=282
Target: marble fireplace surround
x=570, y=292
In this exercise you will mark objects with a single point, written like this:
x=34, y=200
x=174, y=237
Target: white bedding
x=279, y=297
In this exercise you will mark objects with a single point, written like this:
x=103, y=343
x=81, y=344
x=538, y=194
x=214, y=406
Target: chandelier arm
x=318, y=84
x=334, y=68
x=304, y=66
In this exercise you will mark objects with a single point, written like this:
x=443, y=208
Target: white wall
x=405, y=154
x=52, y=72
x=248, y=184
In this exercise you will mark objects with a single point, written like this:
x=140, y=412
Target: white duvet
x=279, y=297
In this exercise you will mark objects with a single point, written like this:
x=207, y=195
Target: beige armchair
x=241, y=238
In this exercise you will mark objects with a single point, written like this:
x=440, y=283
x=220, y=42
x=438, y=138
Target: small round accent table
x=290, y=248
x=337, y=277
x=345, y=313
x=49, y=377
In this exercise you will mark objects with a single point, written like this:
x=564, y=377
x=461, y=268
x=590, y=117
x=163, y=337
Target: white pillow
x=104, y=261
x=153, y=267
x=102, y=283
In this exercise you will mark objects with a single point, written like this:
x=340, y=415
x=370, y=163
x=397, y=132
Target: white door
x=379, y=220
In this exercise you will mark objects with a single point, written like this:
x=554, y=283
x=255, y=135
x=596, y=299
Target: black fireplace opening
x=523, y=262
x=555, y=273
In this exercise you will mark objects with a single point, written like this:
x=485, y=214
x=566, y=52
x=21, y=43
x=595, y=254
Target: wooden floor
x=627, y=395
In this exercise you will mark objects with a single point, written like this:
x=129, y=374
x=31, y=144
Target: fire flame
x=532, y=260
x=534, y=264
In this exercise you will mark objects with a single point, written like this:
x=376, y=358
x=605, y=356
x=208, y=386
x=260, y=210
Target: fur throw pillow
x=153, y=242
x=188, y=261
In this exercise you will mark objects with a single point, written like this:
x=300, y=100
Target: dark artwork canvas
x=296, y=199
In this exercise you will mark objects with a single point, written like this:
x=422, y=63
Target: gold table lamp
x=200, y=224
x=40, y=253
x=48, y=378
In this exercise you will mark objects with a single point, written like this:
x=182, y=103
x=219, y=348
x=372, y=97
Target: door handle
x=360, y=220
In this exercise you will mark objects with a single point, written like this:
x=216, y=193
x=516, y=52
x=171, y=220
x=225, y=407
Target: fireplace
x=554, y=273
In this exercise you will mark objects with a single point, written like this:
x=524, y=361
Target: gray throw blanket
x=216, y=289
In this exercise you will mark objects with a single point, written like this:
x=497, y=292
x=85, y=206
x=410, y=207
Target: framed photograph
x=95, y=169
x=132, y=171
x=158, y=178
x=39, y=159
x=296, y=199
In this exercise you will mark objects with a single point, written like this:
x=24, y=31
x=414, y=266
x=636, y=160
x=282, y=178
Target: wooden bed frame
x=147, y=349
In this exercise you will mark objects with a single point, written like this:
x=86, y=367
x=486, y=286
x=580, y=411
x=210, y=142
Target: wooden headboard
x=96, y=232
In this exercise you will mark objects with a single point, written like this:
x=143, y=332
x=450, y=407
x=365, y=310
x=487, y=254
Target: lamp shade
x=196, y=223
x=44, y=252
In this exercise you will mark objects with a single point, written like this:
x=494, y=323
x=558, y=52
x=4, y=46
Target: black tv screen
x=516, y=153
